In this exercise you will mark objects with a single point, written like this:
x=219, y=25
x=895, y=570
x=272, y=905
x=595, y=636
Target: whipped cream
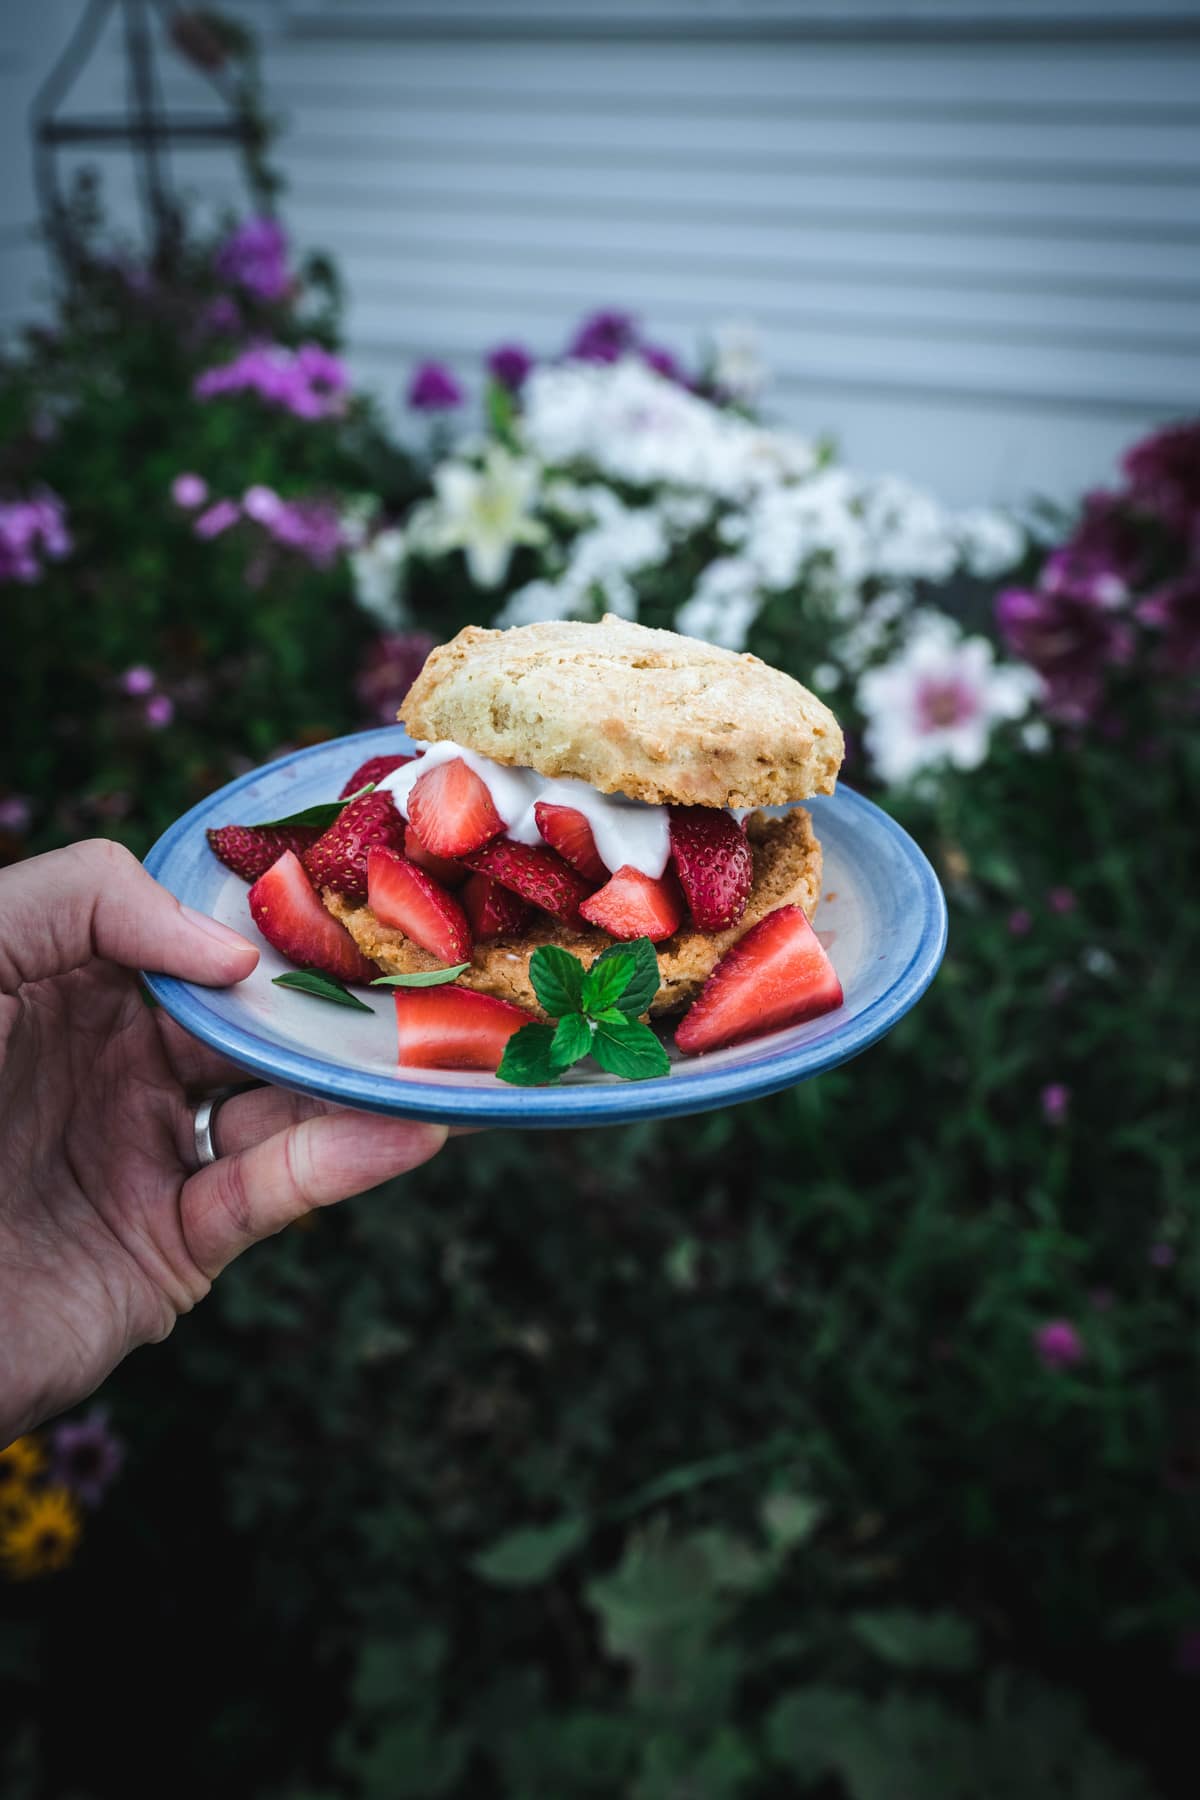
x=628, y=833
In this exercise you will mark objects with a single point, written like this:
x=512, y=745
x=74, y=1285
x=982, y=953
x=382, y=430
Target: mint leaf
x=629, y=1049
x=643, y=984
x=557, y=979
x=528, y=1060
x=572, y=1039
x=606, y=981
x=323, y=813
x=321, y=987
x=422, y=977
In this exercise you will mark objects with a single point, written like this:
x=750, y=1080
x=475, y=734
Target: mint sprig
x=597, y=1012
x=323, y=813
x=321, y=987
x=422, y=978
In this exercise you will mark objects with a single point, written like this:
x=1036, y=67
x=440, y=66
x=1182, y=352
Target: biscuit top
x=650, y=714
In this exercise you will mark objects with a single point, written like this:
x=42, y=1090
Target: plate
x=882, y=918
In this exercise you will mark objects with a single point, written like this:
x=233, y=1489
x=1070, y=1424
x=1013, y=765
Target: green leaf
x=790, y=1519
x=643, y=984
x=916, y=1640
x=572, y=1039
x=557, y=979
x=630, y=1050
x=606, y=981
x=321, y=987
x=531, y=1553
x=528, y=1059
x=323, y=813
x=422, y=977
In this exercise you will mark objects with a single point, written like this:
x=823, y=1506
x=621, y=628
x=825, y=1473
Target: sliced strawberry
x=714, y=862
x=566, y=830
x=538, y=875
x=410, y=900
x=777, y=975
x=338, y=859
x=373, y=770
x=493, y=910
x=452, y=810
x=450, y=874
x=454, y=1027
x=249, y=850
x=631, y=905
x=287, y=910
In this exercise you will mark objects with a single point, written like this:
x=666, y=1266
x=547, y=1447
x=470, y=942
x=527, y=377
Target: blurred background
x=845, y=1445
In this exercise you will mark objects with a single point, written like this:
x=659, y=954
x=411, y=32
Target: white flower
x=377, y=566
x=991, y=541
x=723, y=605
x=484, y=512
x=737, y=364
x=600, y=561
x=937, y=701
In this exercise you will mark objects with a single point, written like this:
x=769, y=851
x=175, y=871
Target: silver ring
x=204, y=1121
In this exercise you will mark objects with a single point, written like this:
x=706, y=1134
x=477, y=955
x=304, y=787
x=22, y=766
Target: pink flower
x=85, y=1456
x=1061, y=900
x=1056, y=1099
x=137, y=680
x=1059, y=1344
x=189, y=490
x=159, y=711
x=219, y=517
x=254, y=257
x=15, y=813
x=1020, y=922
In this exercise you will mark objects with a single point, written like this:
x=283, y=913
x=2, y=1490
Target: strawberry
x=492, y=910
x=373, y=770
x=778, y=974
x=631, y=905
x=249, y=850
x=338, y=859
x=537, y=875
x=454, y=1027
x=407, y=898
x=287, y=910
x=449, y=873
x=714, y=862
x=566, y=830
x=452, y=809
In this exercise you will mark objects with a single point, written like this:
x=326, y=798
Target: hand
x=107, y=1230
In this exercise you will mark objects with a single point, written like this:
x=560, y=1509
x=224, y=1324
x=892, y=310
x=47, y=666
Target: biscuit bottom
x=787, y=872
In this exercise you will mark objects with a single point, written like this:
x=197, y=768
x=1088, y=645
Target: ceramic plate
x=882, y=918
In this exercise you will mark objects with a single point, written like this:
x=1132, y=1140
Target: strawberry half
x=493, y=911
x=454, y=1028
x=408, y=899
x=249, y=850
x=373, y=770
x=566, y=830
x=538, y=875
x=714, y=862
x=450, y=874
x=338, y=859
x=632, y=905
x=288, y=911
x=777, y=975
x=452, y=810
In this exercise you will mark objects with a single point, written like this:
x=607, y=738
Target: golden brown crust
x=787, y=872
x=662, y=718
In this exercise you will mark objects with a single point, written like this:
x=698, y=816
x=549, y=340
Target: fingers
x=250, y=1195
x=248, y=1119
x=192, y=1063
x=95, y=899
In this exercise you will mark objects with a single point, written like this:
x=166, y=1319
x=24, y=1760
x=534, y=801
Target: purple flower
x=31, y=530
x=1061, y=900
x=219, y=517
x=1059, y=1344
x=1020, y=922
x=310, y=527
x=1161, y=1256
x=86, y=1456
x=1056, y=1100
x=189, y=490
x=254, y=257
x=15, y=813
x=159, y=711
x=433, y=388
x=221, y=317
x=1174, y=609
x=1103, y=557
x=604, y=337
x=662, y=361
x=137, y=680
x=308, y=382
x=510, y=364
x=1071, y=641
x=261, y=504
x=1163, y=473
x=390, y=667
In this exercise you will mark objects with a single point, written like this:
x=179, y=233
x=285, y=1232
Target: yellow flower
x=19, y=1464
x=42, y=1536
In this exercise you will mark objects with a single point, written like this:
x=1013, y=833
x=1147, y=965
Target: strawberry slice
x=714, y=862
x=410, y=900
x=452, y=810
x=566, y=830
x=631, y=905
x=777, y=975
x=493, y=911
x=288, y=911
x=538, y=875
x=373, y=770
x=338, y=859
x=249, y=850
x=450, y=874
x=454, y=1028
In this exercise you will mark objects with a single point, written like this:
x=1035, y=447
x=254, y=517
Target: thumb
x=59, y=911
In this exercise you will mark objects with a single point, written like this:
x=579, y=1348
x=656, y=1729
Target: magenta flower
x=1056, y=1101
x=32, y=531
x=391, y=665
x=1163, y=473
x=510, y=364
x=189, y=490
x=1071, y=641
x=15, y=813
x=1059, y=1344
x=255, y=257
x=219, y=517
x=1174, y=610
x=137, y=680
x=1103, y=558
x=159, y=711
x=1061, y=900
x=310, y=527
x=433, y=388
x=86, y=1456
x=221, y=317
x=662, y=361
x=308, y=382
x=604, y=337
x=1020, y=922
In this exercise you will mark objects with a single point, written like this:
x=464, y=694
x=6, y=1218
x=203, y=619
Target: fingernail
x=224, y=934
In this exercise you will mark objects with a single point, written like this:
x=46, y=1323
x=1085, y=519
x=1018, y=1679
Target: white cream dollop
x=628, y=833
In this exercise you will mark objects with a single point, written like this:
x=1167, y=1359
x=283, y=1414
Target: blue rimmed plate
x=882, y=917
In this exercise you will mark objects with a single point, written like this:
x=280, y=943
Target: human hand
x=108, y=1231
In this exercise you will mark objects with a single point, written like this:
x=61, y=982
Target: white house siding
x=969, y=233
